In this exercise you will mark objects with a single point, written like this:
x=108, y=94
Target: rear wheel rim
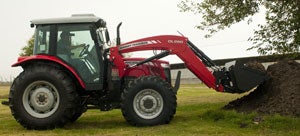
x=40, y=99
x=148, y=104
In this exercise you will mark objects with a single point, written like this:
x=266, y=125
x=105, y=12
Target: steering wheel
x=84, y=50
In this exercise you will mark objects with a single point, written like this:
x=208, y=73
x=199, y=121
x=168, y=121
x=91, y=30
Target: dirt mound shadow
x=279, y=95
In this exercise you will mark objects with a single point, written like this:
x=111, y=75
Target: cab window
x=42, y=36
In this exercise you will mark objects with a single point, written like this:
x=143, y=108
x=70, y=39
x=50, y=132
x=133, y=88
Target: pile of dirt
x=279, y=95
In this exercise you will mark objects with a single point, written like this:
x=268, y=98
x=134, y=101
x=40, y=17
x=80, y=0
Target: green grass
x=4, y=90
x=198, y=113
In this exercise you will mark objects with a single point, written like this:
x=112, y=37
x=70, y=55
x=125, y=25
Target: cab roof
x=77, y=18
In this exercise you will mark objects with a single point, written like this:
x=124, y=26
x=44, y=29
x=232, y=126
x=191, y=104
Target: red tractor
x=71, y=70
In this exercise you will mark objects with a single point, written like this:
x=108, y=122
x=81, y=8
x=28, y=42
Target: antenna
x=180, y=33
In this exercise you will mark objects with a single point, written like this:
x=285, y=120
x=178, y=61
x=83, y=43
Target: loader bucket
x=244, y=78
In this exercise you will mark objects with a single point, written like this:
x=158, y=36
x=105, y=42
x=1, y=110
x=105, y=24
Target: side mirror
x=107, y=36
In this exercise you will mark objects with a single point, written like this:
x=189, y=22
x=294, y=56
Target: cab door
x=77, y=47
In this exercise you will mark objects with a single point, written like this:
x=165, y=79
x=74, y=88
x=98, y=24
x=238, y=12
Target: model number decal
x=175, y=41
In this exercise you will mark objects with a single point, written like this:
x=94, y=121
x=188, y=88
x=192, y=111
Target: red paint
x=151, y=68
x=176, y=45
x=22, y=60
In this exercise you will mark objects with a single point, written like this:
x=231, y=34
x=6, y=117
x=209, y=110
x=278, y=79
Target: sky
x=141, y=18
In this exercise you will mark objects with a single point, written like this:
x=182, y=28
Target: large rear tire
x=148, y=101
x=43, y=97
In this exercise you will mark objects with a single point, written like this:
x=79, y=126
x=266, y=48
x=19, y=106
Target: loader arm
x=237, y=78
x=170, y=45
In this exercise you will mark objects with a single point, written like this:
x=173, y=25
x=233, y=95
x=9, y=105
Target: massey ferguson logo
x=138, y=44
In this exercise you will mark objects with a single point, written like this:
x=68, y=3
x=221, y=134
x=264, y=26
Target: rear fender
x=22, y=61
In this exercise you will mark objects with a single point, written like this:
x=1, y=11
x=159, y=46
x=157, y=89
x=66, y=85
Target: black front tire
x=148, y=101
x=79, y=111
x=43, y=97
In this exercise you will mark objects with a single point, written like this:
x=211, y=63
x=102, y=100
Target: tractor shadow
x=97, y=124
x=99, y=120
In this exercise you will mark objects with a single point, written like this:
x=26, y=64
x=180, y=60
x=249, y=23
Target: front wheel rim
x=148, y=104
x=41, y=99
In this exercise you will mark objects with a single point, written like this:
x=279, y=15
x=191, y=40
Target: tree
x=279, y=35
x=28, y=49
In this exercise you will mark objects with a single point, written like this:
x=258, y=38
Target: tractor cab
x=78, y=41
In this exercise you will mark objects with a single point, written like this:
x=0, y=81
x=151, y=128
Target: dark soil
x=279, y=95
x=256, y=65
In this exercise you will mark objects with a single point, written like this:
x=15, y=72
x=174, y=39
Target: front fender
x=24, y=60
